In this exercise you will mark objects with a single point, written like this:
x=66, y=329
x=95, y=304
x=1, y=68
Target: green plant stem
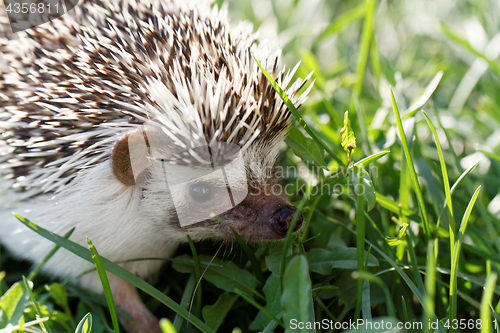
x=430, y=285
x=360, y=244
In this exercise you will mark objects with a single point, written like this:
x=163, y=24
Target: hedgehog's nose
x=283, y=218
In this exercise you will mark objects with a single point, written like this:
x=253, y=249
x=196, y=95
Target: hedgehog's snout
x=282, y=219
x=262, y=215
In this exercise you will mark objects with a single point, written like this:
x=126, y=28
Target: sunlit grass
x=385, y=62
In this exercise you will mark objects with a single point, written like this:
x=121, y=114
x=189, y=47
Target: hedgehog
x=133, y=122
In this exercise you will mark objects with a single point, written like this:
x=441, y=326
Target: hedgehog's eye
x=201, y=192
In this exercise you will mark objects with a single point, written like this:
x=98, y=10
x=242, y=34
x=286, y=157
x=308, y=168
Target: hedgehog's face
x=264, y=214
x=257, y=210
x=189, y=187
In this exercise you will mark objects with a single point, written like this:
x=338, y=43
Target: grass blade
x=447, y=191
x=422, y=99
x=455, y=257
x=465, y=44
x=186, y=298
x=295, y=112
x=405, y=310
x=490, y=221
x=343, y=21
x=105, y=285
x=364, y=47
x=44, y=328
x=462, y=176
x=364, y=50
x=371, y=158
x=485, y=302
x=373, y=278
x=491, y=155
x=411, y=166
x=410, y=239
x=366, y=300
x=392, y=206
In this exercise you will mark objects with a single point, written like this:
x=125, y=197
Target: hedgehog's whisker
x=199, y=281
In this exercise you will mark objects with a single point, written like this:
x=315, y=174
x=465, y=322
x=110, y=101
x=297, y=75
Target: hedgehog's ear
x=130, y=157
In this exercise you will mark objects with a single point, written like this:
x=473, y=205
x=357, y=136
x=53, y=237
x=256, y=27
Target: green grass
x=420, y=245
